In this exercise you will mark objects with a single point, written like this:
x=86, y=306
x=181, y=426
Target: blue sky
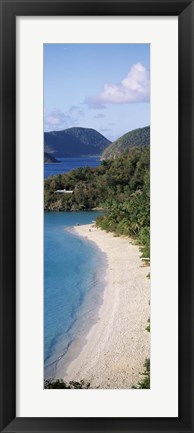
x=100, y=86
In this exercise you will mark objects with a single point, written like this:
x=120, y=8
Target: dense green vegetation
x=60, y=384
x=74, y=142
x=148, y=326
x=121, y=186
x=49, y=158
x=136, y=138
x=145, y=382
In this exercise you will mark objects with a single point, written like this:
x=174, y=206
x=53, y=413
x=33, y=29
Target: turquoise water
x=67, y=164
x=73, y=287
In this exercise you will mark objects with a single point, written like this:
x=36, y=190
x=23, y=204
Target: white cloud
x=76, y=111
x=57, y=120
x=135, y=87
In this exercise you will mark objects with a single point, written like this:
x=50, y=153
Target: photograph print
x=97, y=216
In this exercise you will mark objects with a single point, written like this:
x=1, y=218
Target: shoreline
x=85, y=317
x=117, y=344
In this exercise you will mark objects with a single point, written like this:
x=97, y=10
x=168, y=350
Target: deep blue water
x=68, y=164
x=73, y=285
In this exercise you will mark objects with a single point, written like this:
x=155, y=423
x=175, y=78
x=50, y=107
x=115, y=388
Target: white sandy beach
x=117, y=344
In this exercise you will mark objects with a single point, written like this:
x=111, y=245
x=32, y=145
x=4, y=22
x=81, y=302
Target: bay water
x=67, y=164
x=74, y=271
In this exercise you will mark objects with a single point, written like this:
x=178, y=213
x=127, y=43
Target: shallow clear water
x=73, y=286
x=68, y=164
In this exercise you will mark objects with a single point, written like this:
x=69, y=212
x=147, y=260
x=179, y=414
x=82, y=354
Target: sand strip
x=117, y=344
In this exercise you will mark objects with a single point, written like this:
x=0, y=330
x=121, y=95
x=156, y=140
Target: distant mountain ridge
x=74, y=142
x=135, y=138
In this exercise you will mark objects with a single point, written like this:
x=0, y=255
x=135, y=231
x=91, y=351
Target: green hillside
x=75, y=142
x=49, y=158
x=120, y=185
x=136, y=138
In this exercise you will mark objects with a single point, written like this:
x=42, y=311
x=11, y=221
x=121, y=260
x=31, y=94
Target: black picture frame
x=184, y=9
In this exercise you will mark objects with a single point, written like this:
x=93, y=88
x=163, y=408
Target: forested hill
x=75, y=142
x=120, y=185
x=136, y=138
x=49, y=158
